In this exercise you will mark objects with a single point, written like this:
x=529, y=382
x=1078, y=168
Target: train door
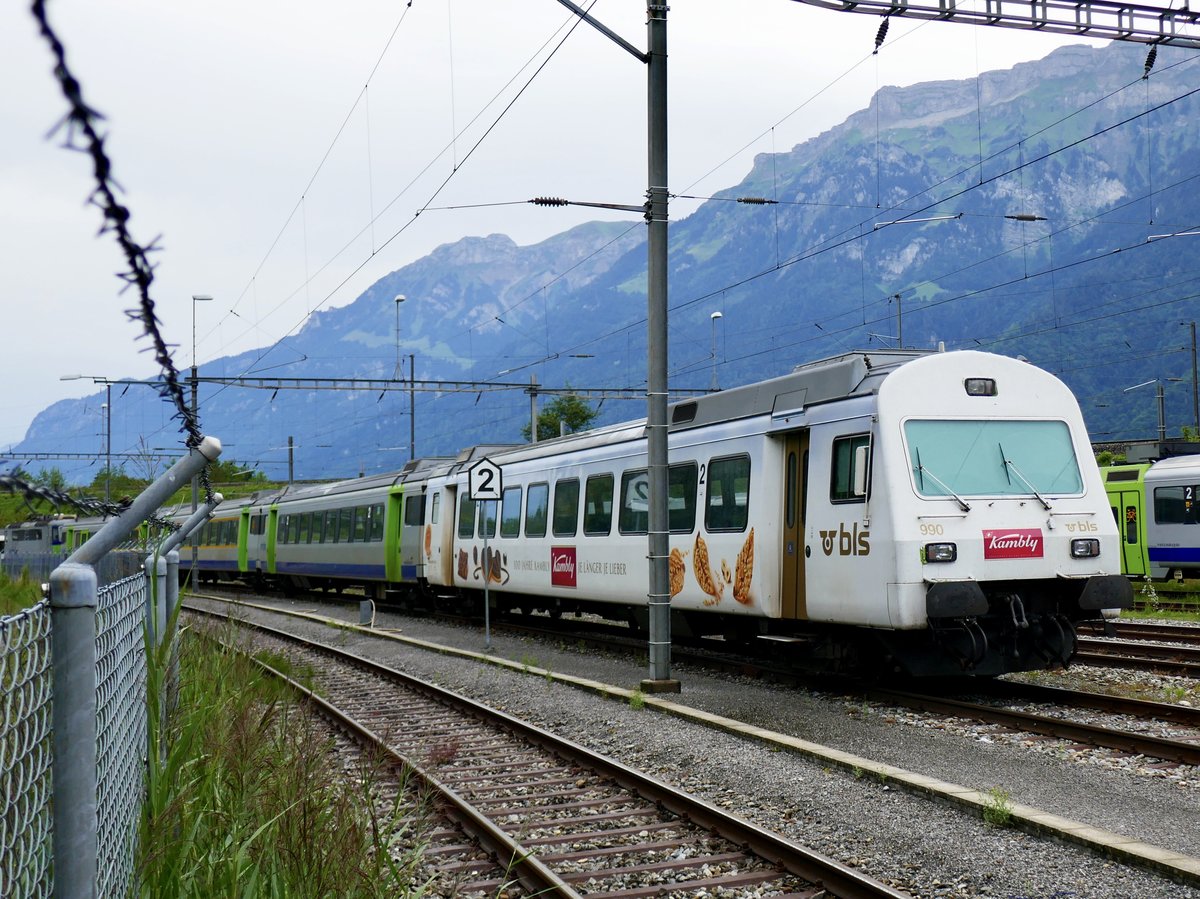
x=446, y=534
x=1128, y=512
x=793, y=601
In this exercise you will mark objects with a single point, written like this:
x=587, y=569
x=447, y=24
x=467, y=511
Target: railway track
x=1047, y=722
x=1181, y=661
x=562, y=820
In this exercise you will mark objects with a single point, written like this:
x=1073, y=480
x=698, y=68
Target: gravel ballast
x=925, y=847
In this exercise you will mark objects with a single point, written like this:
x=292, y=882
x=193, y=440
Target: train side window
x=437, y=508
x=377, y=522
x=536, y=503
x=487, y=519
x=331, y=526
x=728, y=494
x=345, y=525
x=466, y=516
x=414, y=510
x=1176, y=505
x=256, y=524
x=294, y=528
x=566, y=507
x=362, y=523
x=302, y=531
x=597, y=505
x=846, y=463
x=681, y=498
x=317, y=534
x=634, y=517
x=1131, y=524
x=510, y=512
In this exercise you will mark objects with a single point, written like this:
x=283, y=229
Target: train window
x=414, y=510
x=345, y=525
x=1176, y=505
x=377, y=522
x=681, y=498
x=257, y=523
x=1131, y=524
x=294, y=528
x=510, y=512
x=535, y=509
x=466, y=516
x=437, y=507
x=305, y=524
x=597, y=504
x=634, y=517
x=316, y=533
x=487, y=519
x=566, y=507
x=331, y=525
x=789, y=491
x=991, y=457
x=362, y=524
x=845, y=472
x=728, y=494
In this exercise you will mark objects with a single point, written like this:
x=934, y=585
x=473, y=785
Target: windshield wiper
x=922, y=470
x=1008, y=465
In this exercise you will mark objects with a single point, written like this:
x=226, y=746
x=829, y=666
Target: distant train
x=928, y=513
x=1157, y=508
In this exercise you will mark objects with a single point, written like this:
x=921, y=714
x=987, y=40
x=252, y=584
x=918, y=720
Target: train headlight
x=941, y=552
x=1085, y=548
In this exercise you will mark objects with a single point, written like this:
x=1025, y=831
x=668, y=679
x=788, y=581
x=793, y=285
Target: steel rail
x=838, y=879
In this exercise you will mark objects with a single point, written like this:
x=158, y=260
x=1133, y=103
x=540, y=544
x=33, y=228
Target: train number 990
x=932, y=530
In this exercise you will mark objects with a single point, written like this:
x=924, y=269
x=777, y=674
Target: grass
x=245, y=797
x=18, y=594
x=997, y=807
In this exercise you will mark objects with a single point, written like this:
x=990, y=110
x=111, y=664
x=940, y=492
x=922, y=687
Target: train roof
x=857, y=373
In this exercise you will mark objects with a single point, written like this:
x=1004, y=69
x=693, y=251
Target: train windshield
x=992, y=458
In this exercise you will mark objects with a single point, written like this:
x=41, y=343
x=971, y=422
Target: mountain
x=1032, y=192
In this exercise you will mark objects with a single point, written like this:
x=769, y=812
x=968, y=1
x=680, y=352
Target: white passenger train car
x=1173, y=530
x=939, y=512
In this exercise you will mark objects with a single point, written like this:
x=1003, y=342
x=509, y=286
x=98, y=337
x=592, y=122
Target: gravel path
x=924, y=847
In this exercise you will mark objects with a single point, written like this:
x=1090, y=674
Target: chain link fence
x=74, y=719
x=25, y=754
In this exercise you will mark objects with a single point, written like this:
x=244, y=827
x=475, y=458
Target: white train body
x=931, y=513
x=1172, y=538
x=979, y=516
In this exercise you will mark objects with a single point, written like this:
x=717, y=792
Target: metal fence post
x=73, y=603
x=76, y=847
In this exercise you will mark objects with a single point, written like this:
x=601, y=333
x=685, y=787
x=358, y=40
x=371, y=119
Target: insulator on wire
x=880, y=35
x=550, y=201
x=1150, y=57
x=757, y=201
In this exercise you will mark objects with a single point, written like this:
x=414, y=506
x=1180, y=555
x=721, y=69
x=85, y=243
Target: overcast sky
x=282, y=149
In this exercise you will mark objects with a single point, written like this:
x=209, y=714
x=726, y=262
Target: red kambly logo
x=562, y=566
x=1017, y=543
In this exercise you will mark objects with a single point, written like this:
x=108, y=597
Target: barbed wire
x=81, y=130
x=58, y=499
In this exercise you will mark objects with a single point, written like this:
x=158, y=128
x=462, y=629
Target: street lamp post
x=713, y=318
x=108, y=443
x=106, y=407
x=412, y=362
x=196, y=298
x=1160, y=399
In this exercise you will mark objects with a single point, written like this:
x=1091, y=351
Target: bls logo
x=851, y=542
